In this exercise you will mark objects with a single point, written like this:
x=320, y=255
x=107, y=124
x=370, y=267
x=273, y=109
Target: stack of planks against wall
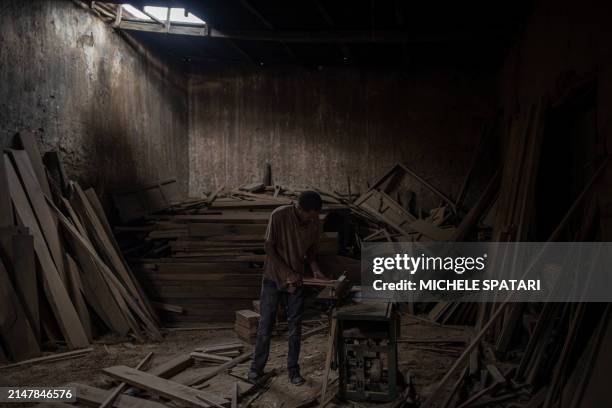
x=538, y=355
x=63, y=279
x=203, y=264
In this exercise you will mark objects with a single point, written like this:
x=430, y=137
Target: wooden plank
x=163, y=387
x=215, y=229
x=120, y=293
x=172, y=367
x=24, y=270
x=15, y=330
x=96, y=205
x=26, y=141
x=108, y=401
x=387, y=210
x=46, y=220
x=95, y=288
x=235, y=395
x=144, y=200
x=168, y=308
x=216, y=348
x=51, y=358
x=54, y=164
x=473, y=216
x=76, y=220
x=58, y=298
x=75, y=286
x=235, y=292
x=93, y=397
x=222, y=368
x=109, y=251
x=211, y=358
x=227, y=217
x=6, y=208
x=331, y=341
x=98, y=293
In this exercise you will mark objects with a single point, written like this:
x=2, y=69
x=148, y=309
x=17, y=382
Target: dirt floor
x=426, y=351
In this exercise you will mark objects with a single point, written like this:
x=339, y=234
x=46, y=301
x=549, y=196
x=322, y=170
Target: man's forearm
x=314, y=265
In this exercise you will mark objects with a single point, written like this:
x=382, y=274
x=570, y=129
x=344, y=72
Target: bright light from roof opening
x=177, y=15
x=135, y=12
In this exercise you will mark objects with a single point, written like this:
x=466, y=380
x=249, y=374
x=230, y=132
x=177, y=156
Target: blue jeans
x=268, y=303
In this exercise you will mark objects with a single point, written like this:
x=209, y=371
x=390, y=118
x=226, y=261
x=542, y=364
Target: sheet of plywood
x=163, y=387
x=15, y=330
x=56, y=292
x=46, y=220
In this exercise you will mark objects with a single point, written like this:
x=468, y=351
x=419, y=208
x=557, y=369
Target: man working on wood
x=291, y=238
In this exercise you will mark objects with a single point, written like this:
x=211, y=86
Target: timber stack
x=63, y=279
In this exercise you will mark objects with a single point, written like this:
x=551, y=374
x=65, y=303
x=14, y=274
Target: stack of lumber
x=59, y=263
x=246, y=324
x=532, y=355
x=206, y=258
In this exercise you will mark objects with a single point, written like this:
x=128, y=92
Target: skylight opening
x=177, y=15
x=135, y=13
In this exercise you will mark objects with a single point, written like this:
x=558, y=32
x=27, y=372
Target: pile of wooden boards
x=531, y=355
x=246, y=324
x=200, y=261
x=177, y=381
x=59, y=263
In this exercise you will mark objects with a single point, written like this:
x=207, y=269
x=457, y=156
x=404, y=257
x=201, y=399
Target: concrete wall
x=317, y=127
x=118, y=116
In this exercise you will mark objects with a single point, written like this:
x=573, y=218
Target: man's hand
x=294, y=280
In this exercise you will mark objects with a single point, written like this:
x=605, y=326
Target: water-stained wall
x=117, y=114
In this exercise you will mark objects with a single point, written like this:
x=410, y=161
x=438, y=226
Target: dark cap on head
x=310, y=201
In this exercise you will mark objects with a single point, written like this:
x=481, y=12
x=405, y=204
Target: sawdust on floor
x=426, y=362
